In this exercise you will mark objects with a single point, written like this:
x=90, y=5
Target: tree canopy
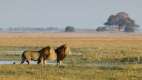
x=123, y=21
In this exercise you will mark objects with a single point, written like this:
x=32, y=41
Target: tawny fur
x=40, y=56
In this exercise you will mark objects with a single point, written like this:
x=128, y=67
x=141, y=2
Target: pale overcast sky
x=78, y=13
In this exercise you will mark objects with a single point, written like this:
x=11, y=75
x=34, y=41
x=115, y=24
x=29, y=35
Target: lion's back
x=34, y=55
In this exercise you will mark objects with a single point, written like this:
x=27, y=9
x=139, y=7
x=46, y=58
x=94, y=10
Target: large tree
x=123, y=21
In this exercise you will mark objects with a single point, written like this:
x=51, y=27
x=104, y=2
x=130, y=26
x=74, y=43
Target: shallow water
x=18, y=62
x=12, y=62
x=6, y=62
x=54, y=63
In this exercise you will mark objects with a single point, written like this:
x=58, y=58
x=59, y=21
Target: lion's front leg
x=40, y=61
x=45, y=61
x=61, y=62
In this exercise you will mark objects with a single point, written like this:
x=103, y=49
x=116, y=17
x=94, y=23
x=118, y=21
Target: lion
x=62, y=51
x=41, y=56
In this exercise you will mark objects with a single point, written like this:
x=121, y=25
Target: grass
x=76, y=72
x=124, y=50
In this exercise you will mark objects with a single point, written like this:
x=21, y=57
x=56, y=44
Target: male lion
x=62, y=51
x=40, y=56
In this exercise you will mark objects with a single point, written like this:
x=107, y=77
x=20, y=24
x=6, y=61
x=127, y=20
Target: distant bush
x=101, y=29
x=69, y=29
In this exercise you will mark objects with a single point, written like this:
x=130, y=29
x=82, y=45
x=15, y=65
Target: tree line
x=120, y=21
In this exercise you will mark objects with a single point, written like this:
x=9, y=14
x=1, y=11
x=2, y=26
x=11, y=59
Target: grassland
x=50, y=72
x=93, y=56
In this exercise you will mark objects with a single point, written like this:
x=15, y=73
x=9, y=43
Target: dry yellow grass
x=73, y=39
x=92, y=46
x=114, y=45
x=50, y=72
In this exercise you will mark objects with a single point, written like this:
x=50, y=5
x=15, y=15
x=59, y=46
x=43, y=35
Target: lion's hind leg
x=28, y=61
x=22, y=61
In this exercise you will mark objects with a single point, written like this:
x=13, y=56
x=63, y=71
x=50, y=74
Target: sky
x=61, y=13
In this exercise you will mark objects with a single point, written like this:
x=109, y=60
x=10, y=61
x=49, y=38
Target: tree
x=123, y=21
x=69, y=29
